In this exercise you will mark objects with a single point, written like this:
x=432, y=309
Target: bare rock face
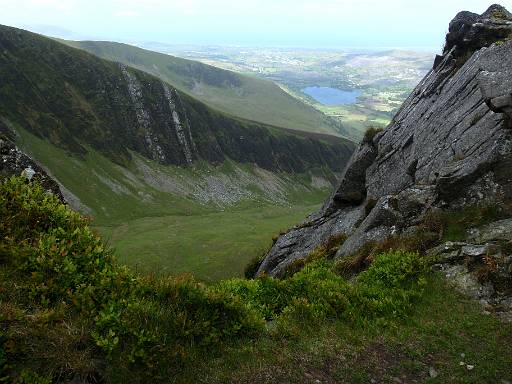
x=449, y=145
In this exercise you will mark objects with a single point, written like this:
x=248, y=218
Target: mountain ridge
x=236, y=94
x=76, y=97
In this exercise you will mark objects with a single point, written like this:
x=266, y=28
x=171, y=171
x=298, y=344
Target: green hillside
x=238, y=95
x=77, y=100
x=156, y=168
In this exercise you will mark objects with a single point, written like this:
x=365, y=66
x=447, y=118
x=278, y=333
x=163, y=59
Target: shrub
x=203, y=315
x=390, y=285
x=27, y=211
x=370, y=134
x=322, y=287
x=64, y=264
x=268, y=296
x=316, y=283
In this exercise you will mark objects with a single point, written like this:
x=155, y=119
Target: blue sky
x=308, y=23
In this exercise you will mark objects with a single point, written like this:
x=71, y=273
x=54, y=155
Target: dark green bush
x=390, y=285
x=26, y=212
x=370, y=134
x=63, y=263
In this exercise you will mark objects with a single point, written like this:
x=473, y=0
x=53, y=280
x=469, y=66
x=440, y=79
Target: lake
x=332, y=96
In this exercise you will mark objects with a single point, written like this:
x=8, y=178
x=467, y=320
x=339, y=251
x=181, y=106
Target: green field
x=211, y=246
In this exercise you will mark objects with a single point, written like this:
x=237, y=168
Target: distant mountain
x=56, y=31
x=112, y=134
x=239, y=95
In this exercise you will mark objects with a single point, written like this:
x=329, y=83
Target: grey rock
x=456, y=137
x=449, y=145
x=300, y=241
x=486, y=189
x=496, y=231
x=412, y=202
x=469, y=32
x=465, y=282
x=448, y=247
x=432, y=372
x=351, y=189
x=479, y=250
x=494, y=88
x=361, y=237
x=381, y=223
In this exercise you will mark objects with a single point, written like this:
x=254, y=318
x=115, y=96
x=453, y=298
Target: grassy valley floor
x=212, y=246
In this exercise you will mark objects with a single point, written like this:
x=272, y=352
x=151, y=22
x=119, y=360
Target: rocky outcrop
x=481, y=266
x=13, y=162
x=449, y=145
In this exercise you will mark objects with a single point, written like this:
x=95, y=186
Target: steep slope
x=447, y=150
x=76, y=100
x=235, y=94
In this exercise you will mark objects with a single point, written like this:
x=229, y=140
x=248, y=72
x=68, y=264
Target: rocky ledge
x=448, y=147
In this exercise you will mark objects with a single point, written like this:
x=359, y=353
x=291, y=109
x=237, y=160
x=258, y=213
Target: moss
x=503, y=41
x=499, y=15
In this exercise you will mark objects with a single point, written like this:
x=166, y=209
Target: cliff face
x=78, y=101
x=448, y=146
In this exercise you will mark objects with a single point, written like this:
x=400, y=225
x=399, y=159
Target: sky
x=300, y=23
